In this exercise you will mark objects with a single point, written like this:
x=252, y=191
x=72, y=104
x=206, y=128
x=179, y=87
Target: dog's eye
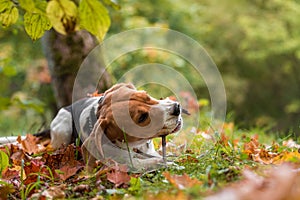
x=143, y=117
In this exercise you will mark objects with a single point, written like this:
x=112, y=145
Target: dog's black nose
x=176, y=109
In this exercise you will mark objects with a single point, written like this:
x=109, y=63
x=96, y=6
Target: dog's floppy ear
x=92, y=146
x=119, y=85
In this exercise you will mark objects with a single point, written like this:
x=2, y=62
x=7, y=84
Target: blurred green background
x=255, y=44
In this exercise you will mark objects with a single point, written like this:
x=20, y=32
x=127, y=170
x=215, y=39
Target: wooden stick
x=163, y=144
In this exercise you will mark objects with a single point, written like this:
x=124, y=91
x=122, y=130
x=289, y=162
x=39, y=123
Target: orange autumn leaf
x=29, y=144
x=180, y=195
x=9, y=174
x=252, y=146
x=118, y=174
x=181, y=181
x=118, y=177
x=95, y=94
x=228, y=126
x=259, y=153
x=67, y=171
x=287, y=157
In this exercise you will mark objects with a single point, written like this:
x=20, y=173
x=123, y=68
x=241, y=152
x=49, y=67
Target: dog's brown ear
x=119, y=85
x=92, y=146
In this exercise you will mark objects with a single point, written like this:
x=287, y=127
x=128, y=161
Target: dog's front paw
x=149, y=164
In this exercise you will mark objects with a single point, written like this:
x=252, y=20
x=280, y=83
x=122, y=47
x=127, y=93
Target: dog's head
x=126, y=115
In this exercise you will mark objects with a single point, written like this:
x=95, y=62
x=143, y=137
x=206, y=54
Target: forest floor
x=233, y=164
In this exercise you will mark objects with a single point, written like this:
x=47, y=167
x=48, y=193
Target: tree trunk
x=65, y=54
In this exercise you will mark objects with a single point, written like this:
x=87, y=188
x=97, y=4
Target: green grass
x=214, y=163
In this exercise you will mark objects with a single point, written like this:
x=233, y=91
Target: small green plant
x=4, y=161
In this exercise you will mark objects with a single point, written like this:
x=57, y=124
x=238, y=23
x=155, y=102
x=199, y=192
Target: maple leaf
x=118, y=174
x=68, y=171
x=118, y=177
x=181, y=181
x=29, y=144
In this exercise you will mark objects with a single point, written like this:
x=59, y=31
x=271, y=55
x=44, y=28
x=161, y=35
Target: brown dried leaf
x=118, y=174
x=35, y=166
x=180, y=195
x=181, y=181
x=5, y=189
x=17, y=157
x=9, y=174
x=29, y=144
x=68, y=171
x=55, y=192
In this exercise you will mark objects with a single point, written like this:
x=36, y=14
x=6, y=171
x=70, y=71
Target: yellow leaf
x=36, y=24
x=28, y=5
x=94, y=18
x=287, y=157
x=9, y=14
x=5, y=5
x=63, y=15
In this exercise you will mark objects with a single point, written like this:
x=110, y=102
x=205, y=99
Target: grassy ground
x=212, y=162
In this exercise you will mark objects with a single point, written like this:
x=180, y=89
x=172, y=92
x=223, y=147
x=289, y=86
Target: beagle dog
x=119, y=125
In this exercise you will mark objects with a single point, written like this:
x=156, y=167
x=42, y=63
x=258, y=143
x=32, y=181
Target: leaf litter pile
x=233, y=164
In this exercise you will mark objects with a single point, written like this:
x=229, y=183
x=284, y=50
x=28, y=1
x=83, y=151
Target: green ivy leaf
x=4, y=161
x=9, y=14
x=94, y=18
x=63, y=15
x=36, y=24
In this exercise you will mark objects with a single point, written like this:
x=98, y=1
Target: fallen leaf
x=118, y=174
x=181, y=181
x=5, y=190
x=68, y=171
x=32, y=169
x=282, y=183
x=54, y=192
x=291, y=144
x=180, y=195
x=62, y=157
x=17, y=157
x=9, y=174
x=82, y=188
x=287, y=157
x=29, y=144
